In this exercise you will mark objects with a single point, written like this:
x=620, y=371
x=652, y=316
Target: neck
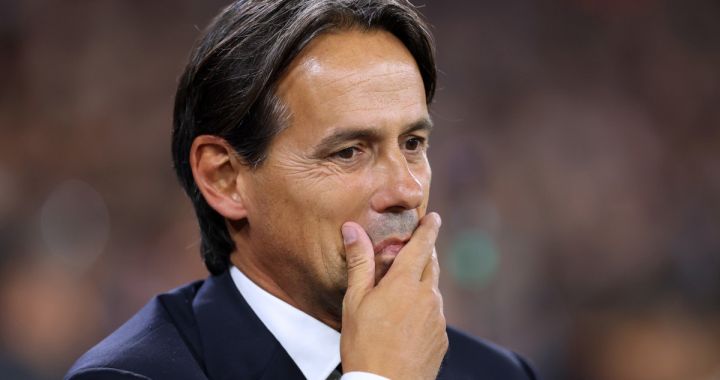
x=287, y=289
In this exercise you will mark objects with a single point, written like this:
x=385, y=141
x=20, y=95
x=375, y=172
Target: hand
x=397, y=328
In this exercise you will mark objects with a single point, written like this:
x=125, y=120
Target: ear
x=217, y=172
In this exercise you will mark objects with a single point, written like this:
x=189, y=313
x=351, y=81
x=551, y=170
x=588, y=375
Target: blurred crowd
x=576, y=165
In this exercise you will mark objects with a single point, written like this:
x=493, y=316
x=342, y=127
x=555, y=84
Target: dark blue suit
x=206, y=330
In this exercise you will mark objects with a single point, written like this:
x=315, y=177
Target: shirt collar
x=312, y=345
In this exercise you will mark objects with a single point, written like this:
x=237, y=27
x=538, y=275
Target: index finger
x=431, y=273
x=414, y=256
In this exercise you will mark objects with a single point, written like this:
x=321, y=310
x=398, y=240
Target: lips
x=390, y=246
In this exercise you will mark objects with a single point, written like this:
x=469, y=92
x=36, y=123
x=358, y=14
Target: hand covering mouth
x=389, y=232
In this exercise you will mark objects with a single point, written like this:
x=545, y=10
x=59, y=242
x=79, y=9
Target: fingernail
x=349, y=234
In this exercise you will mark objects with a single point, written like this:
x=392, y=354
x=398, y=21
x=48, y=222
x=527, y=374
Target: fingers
x=415, y=255
x=431, y=273
x=360, y=259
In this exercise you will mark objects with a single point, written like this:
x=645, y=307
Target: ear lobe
x=216, y=172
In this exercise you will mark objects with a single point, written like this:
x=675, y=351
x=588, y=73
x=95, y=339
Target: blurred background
x=576, y=166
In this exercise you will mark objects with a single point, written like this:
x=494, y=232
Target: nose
x=400, y=188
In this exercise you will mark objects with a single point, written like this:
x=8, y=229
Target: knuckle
x=435, y=291
x=432, y=299
x=444, y=342
x=439, y=300
x=358, y=265
x=354, y=261
x=442, y=321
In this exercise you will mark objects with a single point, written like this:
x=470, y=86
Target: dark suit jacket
x=206, y=330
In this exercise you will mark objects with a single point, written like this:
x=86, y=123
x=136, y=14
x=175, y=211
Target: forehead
x=353, y=78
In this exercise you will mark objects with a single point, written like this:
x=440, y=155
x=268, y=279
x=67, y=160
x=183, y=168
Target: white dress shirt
x=312, y=345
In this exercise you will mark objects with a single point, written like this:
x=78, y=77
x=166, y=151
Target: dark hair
x=228, y=87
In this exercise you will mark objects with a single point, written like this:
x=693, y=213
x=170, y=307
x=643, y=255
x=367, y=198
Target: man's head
x=294, y=117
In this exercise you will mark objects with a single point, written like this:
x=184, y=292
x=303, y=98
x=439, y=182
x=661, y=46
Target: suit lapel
x=235, y=343
x=282, y=367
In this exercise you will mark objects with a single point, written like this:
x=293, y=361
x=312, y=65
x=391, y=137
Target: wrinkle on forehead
x=352, y=74
x=329, y=74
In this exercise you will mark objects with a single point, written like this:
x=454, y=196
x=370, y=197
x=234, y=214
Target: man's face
x=354, y=150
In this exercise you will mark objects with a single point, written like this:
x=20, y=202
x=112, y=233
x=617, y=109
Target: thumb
x=360, y=259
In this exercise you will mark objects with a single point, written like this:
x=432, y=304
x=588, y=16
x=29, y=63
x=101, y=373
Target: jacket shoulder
x=473, y=358
x=159, y=342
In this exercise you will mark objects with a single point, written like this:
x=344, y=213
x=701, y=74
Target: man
x=300, y=134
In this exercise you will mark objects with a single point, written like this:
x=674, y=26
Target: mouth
x=390, y=246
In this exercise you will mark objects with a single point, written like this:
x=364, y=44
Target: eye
x=347, y=153
x=414, y=144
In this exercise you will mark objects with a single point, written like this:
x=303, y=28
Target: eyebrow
x=367, y=134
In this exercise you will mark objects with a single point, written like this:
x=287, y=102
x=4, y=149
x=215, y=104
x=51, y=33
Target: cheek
x=427, y=176
x=423, y=173
x=335, y=199
x=310, y=213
